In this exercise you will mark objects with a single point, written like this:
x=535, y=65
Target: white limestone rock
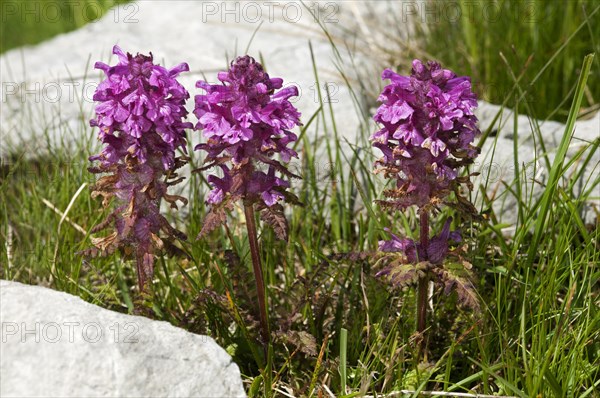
x=57, y=345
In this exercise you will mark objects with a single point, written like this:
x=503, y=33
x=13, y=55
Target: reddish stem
x=257, y=267
x=140, y=274
x=423, y=287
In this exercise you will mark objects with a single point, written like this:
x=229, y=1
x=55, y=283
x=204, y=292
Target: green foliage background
x=27, y=22
x=491, y=39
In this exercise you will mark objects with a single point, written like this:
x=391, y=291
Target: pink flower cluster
x=428, y=128
x=137, y=100
x=246, y=122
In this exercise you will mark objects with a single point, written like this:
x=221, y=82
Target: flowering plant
x=428, y=129
x=140, y=113
x=246, y=122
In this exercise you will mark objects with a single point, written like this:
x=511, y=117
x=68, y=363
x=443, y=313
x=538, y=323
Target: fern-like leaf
x=400, y=272
x=303, y=341
x=275, y=218
x=455, y=277
x=215, y=218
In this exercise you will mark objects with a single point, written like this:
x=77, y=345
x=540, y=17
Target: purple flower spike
x=428, y=128
x=247, y=120
x=140, y=97
x=140, y=114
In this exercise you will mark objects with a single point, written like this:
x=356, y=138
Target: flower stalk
x=247, y=122
x=423, y=287
x=428, y=126
x=257, y=268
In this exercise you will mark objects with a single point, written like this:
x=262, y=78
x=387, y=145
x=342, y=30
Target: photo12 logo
x=68, y=11
x=71, y=332
x=50, y=92
x=528, y=11
x=268, y=11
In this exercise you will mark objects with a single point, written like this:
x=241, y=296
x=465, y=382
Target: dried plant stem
x=257, y=267
x=423, y=284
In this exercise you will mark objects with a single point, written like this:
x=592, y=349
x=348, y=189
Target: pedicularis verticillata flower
x=140, y=115
x=246, y=122
x=427, y=135
x=428, y=130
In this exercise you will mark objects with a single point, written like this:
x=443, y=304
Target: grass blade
x=557, y=167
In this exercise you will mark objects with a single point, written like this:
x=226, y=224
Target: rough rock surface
x=56, y=345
